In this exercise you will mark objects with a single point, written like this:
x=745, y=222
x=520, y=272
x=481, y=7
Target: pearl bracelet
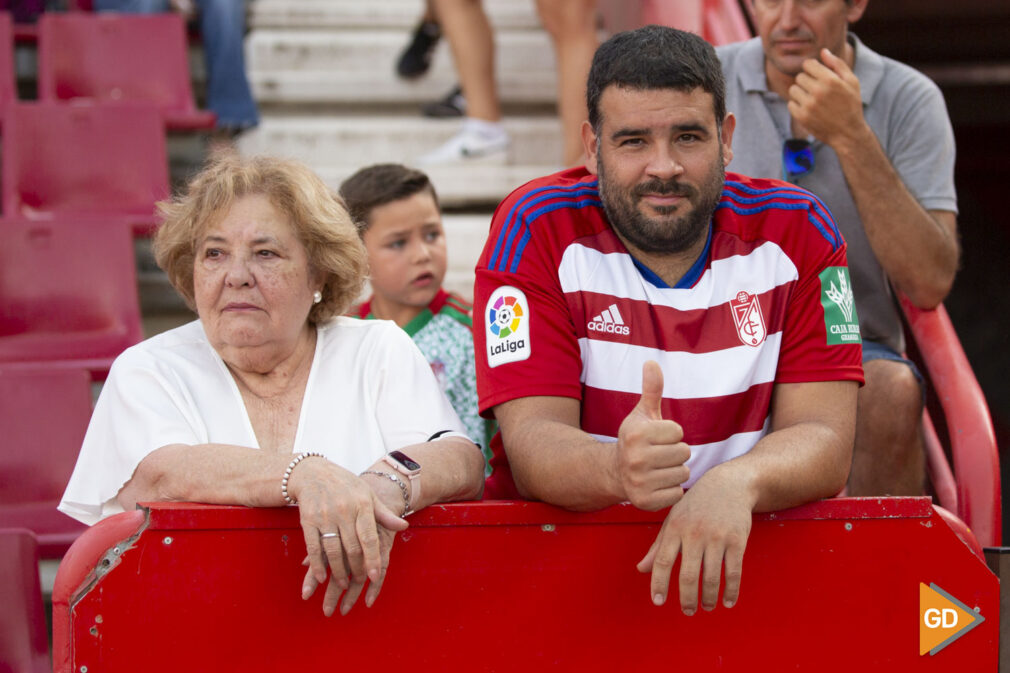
x=291, y=466
x=399, y=482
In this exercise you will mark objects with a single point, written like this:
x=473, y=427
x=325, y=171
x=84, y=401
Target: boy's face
x=406, y=252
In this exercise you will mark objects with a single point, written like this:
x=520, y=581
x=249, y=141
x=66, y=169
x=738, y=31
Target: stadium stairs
x=323, y=73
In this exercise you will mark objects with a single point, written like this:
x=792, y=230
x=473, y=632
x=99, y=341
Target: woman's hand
x=334, y=500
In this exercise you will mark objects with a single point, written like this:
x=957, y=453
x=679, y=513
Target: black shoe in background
x=453, y=105
x=416, y=58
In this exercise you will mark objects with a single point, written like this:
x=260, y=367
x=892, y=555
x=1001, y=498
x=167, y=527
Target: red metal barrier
x=516, y=586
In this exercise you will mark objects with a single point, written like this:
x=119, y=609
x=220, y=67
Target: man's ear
x=855, y=10
x=728, y=126
x=589, y=144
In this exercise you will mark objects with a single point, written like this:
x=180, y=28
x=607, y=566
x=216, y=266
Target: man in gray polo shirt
x=871, y=137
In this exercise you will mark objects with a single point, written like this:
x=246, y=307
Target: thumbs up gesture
x=651, y=454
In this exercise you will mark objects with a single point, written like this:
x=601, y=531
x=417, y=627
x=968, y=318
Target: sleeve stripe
x=517, y=219
x=783, y=198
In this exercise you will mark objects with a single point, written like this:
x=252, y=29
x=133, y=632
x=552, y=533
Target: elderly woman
x=271, y=397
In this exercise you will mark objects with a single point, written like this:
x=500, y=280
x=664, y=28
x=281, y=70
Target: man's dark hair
x=377, y=185
x=655, y=57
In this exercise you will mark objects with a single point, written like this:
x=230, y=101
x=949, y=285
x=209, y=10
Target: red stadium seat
x=44, y=413
x=84, y=159
x=120, y=57
x=24, y=645
x=68, y=292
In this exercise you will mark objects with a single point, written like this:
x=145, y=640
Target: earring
x=317, y=297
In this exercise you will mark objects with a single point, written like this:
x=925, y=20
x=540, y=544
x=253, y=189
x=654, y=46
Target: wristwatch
x=402, y=463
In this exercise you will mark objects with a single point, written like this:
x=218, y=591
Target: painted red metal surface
x=516, y=586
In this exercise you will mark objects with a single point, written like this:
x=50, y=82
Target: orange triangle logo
x=942, y=619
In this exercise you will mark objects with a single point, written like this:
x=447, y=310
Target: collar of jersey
x=688, y=279
x=418, y=321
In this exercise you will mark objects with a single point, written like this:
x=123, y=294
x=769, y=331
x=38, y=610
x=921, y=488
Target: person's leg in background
x=132, y=6
x=222, y=29
x=888, y=457
x=572, y=27
x=415, y=59
x=471, y=39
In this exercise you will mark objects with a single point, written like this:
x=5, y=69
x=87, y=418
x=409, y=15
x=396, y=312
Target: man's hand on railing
x=708, y=528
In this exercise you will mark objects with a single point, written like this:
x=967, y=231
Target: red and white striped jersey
x=562, y=309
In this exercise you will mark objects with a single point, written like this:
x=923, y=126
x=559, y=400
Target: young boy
x=396, y=211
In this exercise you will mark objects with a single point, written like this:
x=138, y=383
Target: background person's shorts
x=873, y=350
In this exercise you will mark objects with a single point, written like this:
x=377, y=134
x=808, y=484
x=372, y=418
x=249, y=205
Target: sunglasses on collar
x=797, y=158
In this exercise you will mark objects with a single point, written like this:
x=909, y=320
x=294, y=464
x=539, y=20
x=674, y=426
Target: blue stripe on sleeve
x=516, y=220
x=555, y=205
x=797, y=199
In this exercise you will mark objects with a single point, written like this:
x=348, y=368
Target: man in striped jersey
x=649, y=323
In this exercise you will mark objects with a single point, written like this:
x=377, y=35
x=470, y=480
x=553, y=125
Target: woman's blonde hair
x=316, y=213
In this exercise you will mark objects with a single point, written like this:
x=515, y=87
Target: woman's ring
x=326, y=535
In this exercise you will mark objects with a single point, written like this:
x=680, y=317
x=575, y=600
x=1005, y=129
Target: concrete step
x=399, y=14
x=476, y=188
x=465, y=236
x=355, y=67
x=338, y=146
x=320, y=139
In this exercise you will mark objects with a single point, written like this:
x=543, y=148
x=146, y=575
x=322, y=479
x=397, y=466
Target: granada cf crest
x=750, y=322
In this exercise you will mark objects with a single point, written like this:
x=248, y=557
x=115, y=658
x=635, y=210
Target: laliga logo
x=942, y=619
x=505, y=316
x=507, y=326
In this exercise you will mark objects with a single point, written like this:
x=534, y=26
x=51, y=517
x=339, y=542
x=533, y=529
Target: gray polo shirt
x=906, y=111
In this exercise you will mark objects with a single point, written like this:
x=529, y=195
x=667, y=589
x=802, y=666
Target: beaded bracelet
x=399, y=482
x=291, y=466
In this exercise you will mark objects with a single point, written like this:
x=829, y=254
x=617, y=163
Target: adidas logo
x=609, y=322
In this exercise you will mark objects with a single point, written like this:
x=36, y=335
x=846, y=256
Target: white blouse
x=369, y=392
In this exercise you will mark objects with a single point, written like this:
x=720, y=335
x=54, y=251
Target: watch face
x=402, y=459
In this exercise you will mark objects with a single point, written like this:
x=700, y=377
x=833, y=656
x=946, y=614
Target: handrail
x=969, y=425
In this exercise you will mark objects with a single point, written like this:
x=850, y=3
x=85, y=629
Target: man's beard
x=662, y=235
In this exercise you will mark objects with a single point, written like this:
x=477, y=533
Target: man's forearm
x=563, y=466
x=792, y=466
x=918, y=252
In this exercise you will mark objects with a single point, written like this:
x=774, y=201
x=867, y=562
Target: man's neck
x=672, y=266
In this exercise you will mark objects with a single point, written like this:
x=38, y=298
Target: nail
x=729, y=603
x=688, y=611
x=658, y=599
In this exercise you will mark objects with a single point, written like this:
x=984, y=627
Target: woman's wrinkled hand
x=334, y=500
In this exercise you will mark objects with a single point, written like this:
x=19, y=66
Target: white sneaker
x=470, y=147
